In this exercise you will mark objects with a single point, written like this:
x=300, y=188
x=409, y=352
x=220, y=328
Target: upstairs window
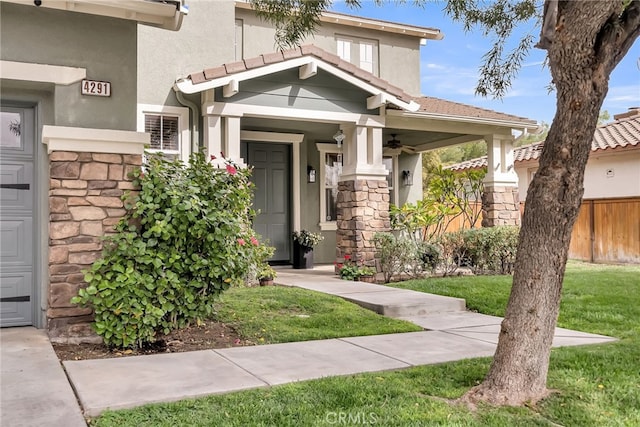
x=360, y=52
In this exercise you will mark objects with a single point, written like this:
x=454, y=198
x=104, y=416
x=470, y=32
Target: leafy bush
x=396, y=255
x=430, y=255
x=453, y=251
x=491, y=250
x=186, y=239
x=484, y=250
x=350, y=270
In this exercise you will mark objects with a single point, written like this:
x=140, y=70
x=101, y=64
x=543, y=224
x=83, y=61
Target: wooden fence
x=606, y=231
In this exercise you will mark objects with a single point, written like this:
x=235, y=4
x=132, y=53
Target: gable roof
x=450, y=108
x=300, y=56
x=618, y=134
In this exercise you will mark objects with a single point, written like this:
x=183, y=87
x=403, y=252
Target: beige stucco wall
x=399, y=56
x=105, y=47
x=625, y=181
x=205, y=40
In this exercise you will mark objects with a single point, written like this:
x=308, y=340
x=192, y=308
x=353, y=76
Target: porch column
x=500, y=200
x=222, y=135
x=363, y=195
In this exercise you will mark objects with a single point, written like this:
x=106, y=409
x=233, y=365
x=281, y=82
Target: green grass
x=276, y=314
x=597, y=385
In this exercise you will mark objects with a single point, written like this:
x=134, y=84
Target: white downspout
x=193, y=107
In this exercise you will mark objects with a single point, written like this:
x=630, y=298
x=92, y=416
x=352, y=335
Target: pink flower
x=213, y=157
x=347, y=257
x=254, y=241
x=232, y=170
x=241, y=242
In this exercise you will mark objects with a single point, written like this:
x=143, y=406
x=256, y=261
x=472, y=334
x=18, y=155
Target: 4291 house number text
x=95, y=88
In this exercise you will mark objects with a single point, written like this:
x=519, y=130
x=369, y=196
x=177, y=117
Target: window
x=360, y=52
x=388, y=162
x=330, y=172
x=167, y=127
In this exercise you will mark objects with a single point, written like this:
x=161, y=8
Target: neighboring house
x=608, y=227
x=356, y=79
x=58, y=199
x=66, y=148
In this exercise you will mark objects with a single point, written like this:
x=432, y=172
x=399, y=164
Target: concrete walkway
x=34, y=389
x=453, y=334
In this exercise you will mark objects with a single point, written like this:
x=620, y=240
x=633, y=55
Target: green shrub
x=492, y=249
x=396, y=255
x=453, y=251
x=186, y=239
x=430, y=254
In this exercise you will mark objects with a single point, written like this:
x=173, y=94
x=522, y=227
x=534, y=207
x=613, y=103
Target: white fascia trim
x=465, y=119
x=44, y=73
x=186, y=86
x=86, y=140
x=248, y=110
x=163, y=15
x=289, y=138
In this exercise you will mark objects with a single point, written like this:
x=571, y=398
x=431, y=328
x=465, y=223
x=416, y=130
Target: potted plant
x=303, y=243
x=367, y=274
x=266, y=274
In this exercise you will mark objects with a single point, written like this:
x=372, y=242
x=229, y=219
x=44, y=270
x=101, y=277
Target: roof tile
x=442, y=106
x=292, y=53
x=272, y=58
x=618, y=134
x=235, y=67
x=197, y=77
x=214, y=73
x=255, y=62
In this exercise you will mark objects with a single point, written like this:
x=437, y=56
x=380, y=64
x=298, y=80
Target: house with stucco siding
x=329, y=129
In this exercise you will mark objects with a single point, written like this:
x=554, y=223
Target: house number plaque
x=95, y=88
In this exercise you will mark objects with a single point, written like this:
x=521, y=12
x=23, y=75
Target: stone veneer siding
x=85, y=202
x=500, y=206
x=363, y=210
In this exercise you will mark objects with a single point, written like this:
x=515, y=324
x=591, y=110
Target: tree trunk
x=581, y=57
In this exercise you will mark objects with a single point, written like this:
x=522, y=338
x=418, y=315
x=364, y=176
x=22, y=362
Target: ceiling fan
x=397, y=144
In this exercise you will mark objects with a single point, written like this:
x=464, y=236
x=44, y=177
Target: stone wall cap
x=75, y=139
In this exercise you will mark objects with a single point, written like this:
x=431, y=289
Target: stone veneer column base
x=363, y=210
x=500, y=206
x=85, y=202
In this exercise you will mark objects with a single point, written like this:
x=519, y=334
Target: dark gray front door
x=16, y=216
x=271, y=172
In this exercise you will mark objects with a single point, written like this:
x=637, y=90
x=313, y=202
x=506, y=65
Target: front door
x=271, y=176
x=16, y=216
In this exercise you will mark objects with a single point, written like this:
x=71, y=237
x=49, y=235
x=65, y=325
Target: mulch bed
x=209, y=335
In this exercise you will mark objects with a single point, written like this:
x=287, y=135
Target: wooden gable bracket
x=230, y=89
x=308, y=70
x=376, y=101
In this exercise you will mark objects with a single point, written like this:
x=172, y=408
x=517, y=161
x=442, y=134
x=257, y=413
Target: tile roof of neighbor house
x=624, y=132
x=427, y=104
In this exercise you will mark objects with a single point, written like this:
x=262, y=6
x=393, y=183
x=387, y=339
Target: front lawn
x=277, y=314
x=597, y=385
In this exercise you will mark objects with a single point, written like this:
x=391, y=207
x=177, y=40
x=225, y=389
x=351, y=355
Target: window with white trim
x=390, y=162
x=330, y=172
x=360, y=52
x=168, y=130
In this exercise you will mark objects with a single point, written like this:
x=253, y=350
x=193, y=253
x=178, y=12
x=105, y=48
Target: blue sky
x=449, y=67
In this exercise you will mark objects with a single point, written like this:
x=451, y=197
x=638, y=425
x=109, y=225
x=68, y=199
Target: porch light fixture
x=339, y=137
x=311, y=174
x=407, y=178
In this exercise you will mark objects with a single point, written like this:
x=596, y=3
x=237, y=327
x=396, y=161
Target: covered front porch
x=332, y=146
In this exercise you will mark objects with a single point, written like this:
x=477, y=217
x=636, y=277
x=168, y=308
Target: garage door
x=16, y=216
